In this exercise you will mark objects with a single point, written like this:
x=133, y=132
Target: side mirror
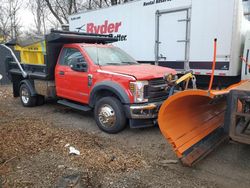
x=78, y=64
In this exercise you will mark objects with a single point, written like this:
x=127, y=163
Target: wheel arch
x=30, y=85
x=108, y=88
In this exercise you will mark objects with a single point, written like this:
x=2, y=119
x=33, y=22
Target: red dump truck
x=84, y=72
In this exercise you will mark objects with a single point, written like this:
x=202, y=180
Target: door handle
x=61, y=72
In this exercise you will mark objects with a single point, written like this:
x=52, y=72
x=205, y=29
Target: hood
x=140, y=71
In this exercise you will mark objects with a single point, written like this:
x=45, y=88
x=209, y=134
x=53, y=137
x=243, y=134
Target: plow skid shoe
x=192, y=121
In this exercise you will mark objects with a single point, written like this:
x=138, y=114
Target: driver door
x=71, y=84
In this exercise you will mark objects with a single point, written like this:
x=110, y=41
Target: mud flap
x=192, y=122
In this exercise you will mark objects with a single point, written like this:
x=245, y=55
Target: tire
x=25, y=95
x=112, y=107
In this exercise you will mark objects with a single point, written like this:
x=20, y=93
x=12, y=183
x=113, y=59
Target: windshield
x=109, y=56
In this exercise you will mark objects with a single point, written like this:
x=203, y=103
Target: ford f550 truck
x=84, y=72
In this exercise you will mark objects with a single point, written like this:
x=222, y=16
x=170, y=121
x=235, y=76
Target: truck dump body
x=39, y=59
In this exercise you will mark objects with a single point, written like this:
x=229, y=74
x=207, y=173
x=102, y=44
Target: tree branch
x=53, y=12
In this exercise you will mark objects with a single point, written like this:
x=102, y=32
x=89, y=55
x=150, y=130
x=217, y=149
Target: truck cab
x=98, y=77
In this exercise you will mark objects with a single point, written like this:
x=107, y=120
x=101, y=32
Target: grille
x=156, y=90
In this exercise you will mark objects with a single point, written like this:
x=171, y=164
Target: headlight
x=137, y=89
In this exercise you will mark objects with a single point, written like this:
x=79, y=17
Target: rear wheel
x=109, y=115
x=25, y=96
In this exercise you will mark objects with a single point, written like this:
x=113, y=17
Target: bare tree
x=114, y=2
x=9, y=22
x=4, y=23
x=62, y=9
x=14, y=7
x=39, y=11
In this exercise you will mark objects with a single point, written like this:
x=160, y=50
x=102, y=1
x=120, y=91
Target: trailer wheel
x=109, y=115
x=25, y=96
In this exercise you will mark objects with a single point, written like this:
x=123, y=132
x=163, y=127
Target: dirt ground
x=34, y=152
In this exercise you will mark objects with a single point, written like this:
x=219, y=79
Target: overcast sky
x=26, y=19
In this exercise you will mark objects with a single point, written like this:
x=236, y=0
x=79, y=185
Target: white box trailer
x=173, y=33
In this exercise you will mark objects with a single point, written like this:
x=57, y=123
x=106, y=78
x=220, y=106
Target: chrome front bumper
x=145, y=111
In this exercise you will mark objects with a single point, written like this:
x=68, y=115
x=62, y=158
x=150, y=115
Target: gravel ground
x=33, y=153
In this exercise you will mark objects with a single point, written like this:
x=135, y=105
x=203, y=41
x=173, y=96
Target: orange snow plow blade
x=192, y=121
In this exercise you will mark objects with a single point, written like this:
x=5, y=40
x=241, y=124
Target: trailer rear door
x=172, y=41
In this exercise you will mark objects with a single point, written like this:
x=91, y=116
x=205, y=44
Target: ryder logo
x=105, y=28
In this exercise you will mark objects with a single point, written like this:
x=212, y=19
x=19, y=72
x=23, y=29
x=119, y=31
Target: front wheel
x=109, y=115
x=25, y=96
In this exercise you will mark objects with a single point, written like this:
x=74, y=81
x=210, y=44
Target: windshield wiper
x=121, y=63
x=129, y=62
x=112, y=63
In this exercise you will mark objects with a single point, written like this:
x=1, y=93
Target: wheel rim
x=107, y=116
x=25, y=95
